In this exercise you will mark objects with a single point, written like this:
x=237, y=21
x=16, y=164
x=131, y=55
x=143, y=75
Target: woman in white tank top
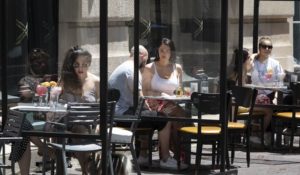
x=162, y=77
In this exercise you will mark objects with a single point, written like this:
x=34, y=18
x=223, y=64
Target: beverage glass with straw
x=54, y=95
x=41, y=91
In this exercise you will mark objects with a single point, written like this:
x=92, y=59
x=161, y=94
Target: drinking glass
x=54, y=95
x=294, y=78
x=194, y=87
x=41, y=91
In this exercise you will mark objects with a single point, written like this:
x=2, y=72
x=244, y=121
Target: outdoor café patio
x=209, y=38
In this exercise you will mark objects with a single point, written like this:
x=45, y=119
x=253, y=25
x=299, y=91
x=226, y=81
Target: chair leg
x=111, y=166
x=292, y=135
x=45, y=155
x=262, y=132
x=273, y=126
x=52, y=167
x=213, y=160
x=227, y=158
x=198, y=157
x=178, y=150
x=150, y=145
x=13, y=168
x=64, y=161
x=218, y=155
x=248, y=148
x=137, y=166
x=3, y=157
x=232, y=148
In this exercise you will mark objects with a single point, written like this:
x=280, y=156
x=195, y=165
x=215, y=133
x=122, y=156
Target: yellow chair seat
x=254, y=114
x=213, y=130
x=236, y=125
x=243, y=109
x=287, y=115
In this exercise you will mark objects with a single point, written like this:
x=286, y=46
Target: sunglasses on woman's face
x=84, y=65
x=266, y=46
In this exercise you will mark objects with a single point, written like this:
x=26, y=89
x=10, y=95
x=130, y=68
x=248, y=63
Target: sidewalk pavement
x=262, y=162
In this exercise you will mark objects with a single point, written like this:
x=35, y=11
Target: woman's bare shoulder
x=93, y=77
x=149, y=67
x=179, y=67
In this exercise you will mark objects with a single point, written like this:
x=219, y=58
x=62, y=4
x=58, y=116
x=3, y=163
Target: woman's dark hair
x=170, y=43
x=68, y=76
x=236, y=56
x=37, y=53
x=38, y=56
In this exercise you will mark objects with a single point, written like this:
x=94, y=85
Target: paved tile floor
x=262, y=162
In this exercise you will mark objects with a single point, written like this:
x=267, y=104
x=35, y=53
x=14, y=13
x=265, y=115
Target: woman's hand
x=165, y=95
x=25, y=92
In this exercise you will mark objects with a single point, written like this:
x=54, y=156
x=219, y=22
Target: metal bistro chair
x=11, y=134
x=126, y=136
x=77, y=114
x=257, y=116
x=210, y=126
x=289, y=119
x=245, y=98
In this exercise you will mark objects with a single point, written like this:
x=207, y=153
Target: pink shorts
x=163, y=106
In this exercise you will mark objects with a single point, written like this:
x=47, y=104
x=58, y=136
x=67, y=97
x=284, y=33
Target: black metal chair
x=210, y=126
x=11, y=134
x=289, y=119
x=122, y=137
x=87, y=114
x=243, y=114
x=245, y=98
x=257, y=119
x=77, y=114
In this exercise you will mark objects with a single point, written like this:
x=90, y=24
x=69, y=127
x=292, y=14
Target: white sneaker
x=254, y=140
x=143, y=160
x=171, y=164
x=267, y=139
x=287, y=131
x=286, y=140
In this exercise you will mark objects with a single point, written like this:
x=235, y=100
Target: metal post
x=136, y=51
x=103, y=84
x=3, y=60
x=158, y=17
x=241, y=43
x=296, y=29
x=255, y=25
x=223, y=78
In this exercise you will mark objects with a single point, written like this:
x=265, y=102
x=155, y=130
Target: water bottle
x=204, y=85
x=179, y=91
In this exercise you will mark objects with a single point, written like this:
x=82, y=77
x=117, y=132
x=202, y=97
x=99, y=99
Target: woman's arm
x=92, y=83
x=97, y=84
x=26, y=89
x=146, y=81
x=280, y=72
x=179, y=70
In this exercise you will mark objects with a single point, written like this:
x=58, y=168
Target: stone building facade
x=79, y=25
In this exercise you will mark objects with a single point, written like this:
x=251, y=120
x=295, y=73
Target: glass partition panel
x=282, y=26
x=79, y=26
x=39, y=34
x=120, y=32
x=233, y=57
x=30, y=45
x=194, y=26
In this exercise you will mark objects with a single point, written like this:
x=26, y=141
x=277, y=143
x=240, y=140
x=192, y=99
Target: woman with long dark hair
x=162, y=78
x=79, y=85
